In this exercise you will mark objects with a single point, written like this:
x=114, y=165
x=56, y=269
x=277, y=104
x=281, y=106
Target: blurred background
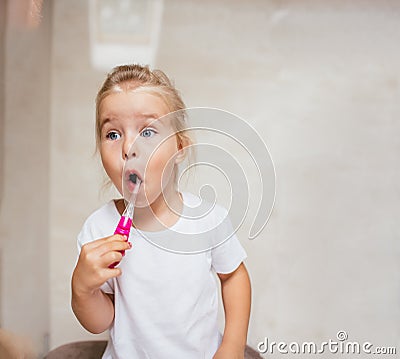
x=318, y=80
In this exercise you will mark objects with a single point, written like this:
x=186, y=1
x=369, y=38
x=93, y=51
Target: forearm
x=93, y=308
x=236, y=295
x=95, y=311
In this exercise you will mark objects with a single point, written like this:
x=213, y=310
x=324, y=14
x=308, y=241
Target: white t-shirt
x=166, y=300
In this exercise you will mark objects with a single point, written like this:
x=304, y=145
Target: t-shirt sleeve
x=86, y=235
x=226, y=257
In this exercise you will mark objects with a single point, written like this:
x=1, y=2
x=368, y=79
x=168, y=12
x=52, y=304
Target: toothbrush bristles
x=133, y=177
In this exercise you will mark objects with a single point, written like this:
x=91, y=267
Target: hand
x=228, y=352
x=92, y=269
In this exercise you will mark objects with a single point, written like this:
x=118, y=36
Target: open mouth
x=132, y=179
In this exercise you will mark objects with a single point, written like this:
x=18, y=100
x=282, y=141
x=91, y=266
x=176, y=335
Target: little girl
x=156, y=303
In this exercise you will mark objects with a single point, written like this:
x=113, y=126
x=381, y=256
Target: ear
x=183, y=143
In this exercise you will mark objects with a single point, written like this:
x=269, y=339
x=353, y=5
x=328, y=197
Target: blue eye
x=113, y=136
x=147, y=132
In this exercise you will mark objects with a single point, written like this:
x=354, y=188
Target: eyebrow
x=147, y=118
x=104, y=122
x=153, y=116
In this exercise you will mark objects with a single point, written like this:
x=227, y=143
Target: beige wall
x=320, y=83
x=25, y=178
x=74, y=170
x=2, y=46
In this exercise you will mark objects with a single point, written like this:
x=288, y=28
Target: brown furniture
x=94, y=349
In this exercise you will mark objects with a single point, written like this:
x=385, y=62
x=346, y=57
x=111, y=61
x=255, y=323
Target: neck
x=162, y=213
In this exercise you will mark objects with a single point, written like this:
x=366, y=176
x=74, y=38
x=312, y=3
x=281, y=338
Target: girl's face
x=130, y=130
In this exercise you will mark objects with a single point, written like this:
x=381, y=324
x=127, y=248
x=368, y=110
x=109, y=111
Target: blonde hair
x=138, y=77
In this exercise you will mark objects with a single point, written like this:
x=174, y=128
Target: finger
x=112, y=247
x=111, y=273
x=99, y=242
x=102, y=256
x=110, y=258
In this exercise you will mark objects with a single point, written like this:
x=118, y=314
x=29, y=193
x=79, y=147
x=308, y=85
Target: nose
x=129, y=149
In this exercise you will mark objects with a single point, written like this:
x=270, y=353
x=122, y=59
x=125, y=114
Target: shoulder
x=101, y=214
x=99, y=224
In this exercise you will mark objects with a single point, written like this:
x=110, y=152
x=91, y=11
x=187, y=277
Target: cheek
x=160, y=166
x=112, y=168
x=162, y=162
x=106, y=164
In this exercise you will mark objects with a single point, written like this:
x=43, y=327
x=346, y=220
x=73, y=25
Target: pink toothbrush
x=125, y=222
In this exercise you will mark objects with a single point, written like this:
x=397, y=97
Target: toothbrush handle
x=123, y=228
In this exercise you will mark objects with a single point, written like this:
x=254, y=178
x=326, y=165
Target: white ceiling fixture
x=124, y=31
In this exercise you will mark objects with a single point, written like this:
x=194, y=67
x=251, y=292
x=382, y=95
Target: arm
x=92, y=307
x=236, y=297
